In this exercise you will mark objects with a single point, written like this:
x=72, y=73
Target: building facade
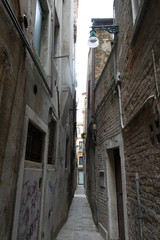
x=123, y=149
x=38, y=113
x=80, y=154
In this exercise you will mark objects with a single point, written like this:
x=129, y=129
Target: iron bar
x=62, y=56
x=139, y=208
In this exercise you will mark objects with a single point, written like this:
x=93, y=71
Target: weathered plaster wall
x=35, y=204
x=12, y=84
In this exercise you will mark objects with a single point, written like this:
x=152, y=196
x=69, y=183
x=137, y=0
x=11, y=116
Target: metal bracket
x=113, y=29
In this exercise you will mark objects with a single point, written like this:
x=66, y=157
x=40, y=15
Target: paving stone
x=80, y=225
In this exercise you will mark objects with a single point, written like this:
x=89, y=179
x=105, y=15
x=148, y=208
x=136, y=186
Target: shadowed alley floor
x=80, y=224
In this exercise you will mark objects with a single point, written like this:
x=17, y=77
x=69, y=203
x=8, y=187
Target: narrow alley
x=80, y=120
x=80, y=224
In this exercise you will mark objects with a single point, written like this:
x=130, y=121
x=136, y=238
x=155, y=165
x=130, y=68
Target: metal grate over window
x=34, y=144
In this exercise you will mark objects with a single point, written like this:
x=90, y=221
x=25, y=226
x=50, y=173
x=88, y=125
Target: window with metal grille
x=154, y=132
x=34, y=143
x=51, y=145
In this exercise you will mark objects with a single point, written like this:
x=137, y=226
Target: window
x=154, y=132
x=38, y=27
x=34, y=143
x=81, y=161
x=56, y=35
x=101, y=179
x=78, y=130
x=52, y=143
x=80, y=146
x=67, y=153
x=135, y=7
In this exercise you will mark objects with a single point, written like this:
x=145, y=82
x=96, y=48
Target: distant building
x=38, y=117
x=80, y=146
x=79, y=154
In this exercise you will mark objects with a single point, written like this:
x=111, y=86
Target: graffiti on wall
x=51, y=187
x=30, y=209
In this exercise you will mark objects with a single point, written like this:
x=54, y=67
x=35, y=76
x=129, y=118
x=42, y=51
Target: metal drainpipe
x=53, y=40
x=139, y=208
x=18, y=27
x=119, y=88
x=155, y=73
x=120, y=105
x=93, y=82
x=93, y=118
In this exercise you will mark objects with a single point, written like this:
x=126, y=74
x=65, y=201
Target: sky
x=87, y=9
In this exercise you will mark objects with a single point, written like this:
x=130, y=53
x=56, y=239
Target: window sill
x=31, y=164
x=138, y=22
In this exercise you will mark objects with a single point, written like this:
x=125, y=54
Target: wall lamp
x=93, y=41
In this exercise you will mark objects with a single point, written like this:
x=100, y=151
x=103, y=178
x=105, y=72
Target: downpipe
x=139, y=208
x=120, y=106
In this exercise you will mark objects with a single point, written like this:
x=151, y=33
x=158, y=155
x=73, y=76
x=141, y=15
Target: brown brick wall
x=135, y=63
x=108, y=124
x=142, y=155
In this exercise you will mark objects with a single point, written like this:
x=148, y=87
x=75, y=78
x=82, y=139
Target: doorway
x=80, y=177
x=115, y=195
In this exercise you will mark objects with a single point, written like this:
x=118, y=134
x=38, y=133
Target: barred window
x=34, y=143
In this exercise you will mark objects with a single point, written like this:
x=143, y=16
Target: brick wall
x=135, y=62
x=138, y=58
x=102, y=52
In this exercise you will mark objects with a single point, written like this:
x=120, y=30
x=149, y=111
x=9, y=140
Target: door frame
x=109, y=145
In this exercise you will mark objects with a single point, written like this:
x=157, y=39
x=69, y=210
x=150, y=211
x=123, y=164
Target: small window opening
x=157, y=123
x=158, y=137
x=80, y=146
x=67, y=153
x=56, y=37
x=81, y=161
x=101, y=179
x=52, y=143
x=34, y=143
x=151, y=128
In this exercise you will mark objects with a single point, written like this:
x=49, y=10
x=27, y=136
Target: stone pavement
x=80, y=224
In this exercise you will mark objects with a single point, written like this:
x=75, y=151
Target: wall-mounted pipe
x=19, y=29
x=140, y=109
x=155, y=73
x=93, y=82
x=120, y=106
x=139, y=208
